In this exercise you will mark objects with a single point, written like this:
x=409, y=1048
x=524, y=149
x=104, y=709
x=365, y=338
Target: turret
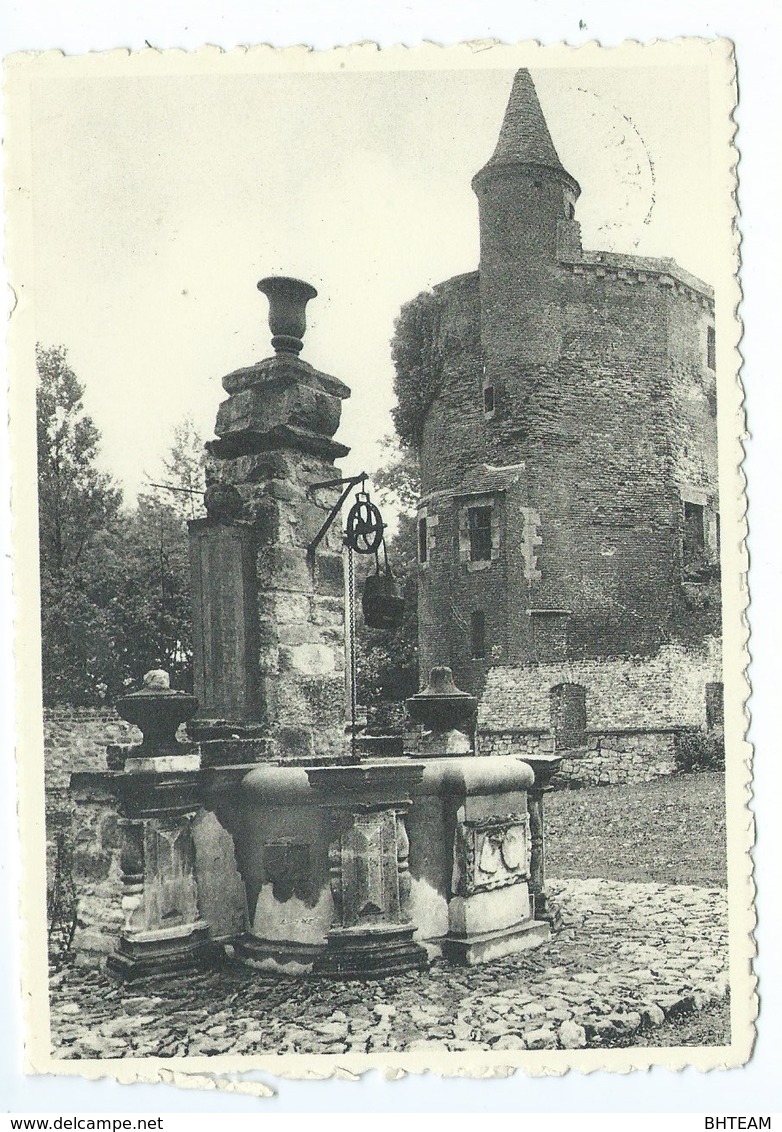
x=524, y=194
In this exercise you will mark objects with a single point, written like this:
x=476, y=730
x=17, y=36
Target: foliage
x=399, y=481
x=418, y=365
x=148, y=596
x=700, y=750
x=78, y=508
x=184, y=471
x=75, y=500
x=388, y=660
x=115, y=597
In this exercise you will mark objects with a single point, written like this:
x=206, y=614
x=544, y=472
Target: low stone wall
x=621, y=757
x=82, y=843
x=519, y=744
x=608, y=757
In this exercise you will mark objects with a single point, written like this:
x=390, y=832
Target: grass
x=669, y=831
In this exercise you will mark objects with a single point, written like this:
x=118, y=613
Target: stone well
x=309, y=858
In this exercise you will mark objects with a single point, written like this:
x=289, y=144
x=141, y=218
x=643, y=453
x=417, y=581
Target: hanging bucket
x=381, y=604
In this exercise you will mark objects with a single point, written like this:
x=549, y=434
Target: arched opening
x=568, y=716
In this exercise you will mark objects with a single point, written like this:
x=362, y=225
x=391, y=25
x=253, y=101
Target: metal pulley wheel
x=364, y=528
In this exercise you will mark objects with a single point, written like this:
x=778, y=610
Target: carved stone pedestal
x=371, y=933
x=489, y=912
x=163, y=931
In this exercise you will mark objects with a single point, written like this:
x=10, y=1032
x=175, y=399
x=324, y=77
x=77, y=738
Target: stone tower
x=524, y=193
x=568, y=527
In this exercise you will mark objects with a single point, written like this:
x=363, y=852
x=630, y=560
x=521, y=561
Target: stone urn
x=157, y=710
x=288, y=300
x=446, y=713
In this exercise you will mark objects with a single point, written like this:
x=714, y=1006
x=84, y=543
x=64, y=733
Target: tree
x=184, y=471
x=115, y=584
x=398, y=480
x=388, y=659
x=78, y=509
x=75, y=499
x=148, y=595
x=418, y=365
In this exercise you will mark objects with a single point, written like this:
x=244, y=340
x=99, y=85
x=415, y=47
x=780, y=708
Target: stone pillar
x=371, y=933
x=489, y=912
x=162, y=931
x=268, y=605
x=544, y=908
x=159, y=795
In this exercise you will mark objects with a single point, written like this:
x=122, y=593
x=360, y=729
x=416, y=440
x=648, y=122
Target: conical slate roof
x=524, y=138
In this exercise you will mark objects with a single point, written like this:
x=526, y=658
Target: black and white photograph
x=378, y=433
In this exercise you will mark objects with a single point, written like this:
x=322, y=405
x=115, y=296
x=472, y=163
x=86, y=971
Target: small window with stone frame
x=479, y=526
x=423, y=535
x=694, y=535
x=489, y=403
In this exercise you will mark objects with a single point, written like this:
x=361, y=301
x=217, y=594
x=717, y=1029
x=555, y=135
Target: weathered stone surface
x=616, y=955
x=572, y=1035
x=543, y=1038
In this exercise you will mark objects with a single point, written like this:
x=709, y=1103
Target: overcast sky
x=160, y=201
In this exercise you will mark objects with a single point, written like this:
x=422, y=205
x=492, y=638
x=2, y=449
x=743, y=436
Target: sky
x=158, y=202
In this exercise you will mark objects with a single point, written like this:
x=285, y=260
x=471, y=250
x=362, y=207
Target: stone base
x=277, y=957
x=370, y=953
x=164, y=952
x=481, y=947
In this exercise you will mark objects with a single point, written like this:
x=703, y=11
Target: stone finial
x=157, y=678
x=444, y=709
x=288, y=300
x=157, y=711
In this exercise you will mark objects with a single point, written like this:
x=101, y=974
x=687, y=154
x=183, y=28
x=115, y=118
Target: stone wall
x=636, y=708
x=607, y=758
x=667, y=690
x=82, y=842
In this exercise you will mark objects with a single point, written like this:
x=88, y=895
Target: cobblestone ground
x=628, y=957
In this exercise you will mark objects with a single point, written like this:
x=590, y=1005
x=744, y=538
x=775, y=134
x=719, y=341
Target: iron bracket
x=348, y=483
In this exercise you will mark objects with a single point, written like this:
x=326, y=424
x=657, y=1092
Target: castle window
x=715, y=709
x=694, y=537
x=479, y=526
x=571, y=212
x=488, y=399
x=711, y=348
x=423, y=548
x=478, y=635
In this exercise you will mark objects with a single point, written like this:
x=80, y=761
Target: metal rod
x=348, y=483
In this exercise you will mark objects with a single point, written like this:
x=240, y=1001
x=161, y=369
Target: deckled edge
x=231, y=1073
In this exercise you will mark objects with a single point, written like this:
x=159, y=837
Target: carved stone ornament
x=492, y=853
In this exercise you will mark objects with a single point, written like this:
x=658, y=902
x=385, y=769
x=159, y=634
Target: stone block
x=509, y=1042
x=540, y=1039
x=483, y=947
x=572, y=1035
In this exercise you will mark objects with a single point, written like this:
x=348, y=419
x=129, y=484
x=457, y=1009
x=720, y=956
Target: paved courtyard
x=629, y=956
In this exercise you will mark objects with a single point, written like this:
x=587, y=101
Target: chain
x=352, y=647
